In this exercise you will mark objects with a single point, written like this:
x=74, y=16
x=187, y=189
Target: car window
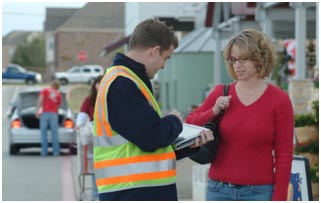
x=22, y=70
x=75, y=71
x=13, y=70
x=86, y=70
x=74, y=68
x=98, y=70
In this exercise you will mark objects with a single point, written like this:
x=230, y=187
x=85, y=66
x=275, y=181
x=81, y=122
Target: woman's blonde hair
x=254, y=46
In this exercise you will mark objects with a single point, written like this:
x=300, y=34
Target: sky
x=29, y=16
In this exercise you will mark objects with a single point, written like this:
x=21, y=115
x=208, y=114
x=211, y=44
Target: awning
x=113, y=46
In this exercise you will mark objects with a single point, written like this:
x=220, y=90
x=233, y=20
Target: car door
x=86, y=74
x=75, y=75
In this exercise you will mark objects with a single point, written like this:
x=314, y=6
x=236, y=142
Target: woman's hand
x=222, y=103
x=205, y=137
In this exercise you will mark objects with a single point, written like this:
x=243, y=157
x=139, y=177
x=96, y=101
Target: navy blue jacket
x=135, y=119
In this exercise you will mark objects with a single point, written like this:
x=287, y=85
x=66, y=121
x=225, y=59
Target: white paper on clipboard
x=188, y=136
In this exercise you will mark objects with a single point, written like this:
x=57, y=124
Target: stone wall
x=302, y=93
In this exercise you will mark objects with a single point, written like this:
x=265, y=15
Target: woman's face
x=244, y=69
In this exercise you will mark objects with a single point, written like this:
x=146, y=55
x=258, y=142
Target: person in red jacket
x=255, y=153
x=48, y=104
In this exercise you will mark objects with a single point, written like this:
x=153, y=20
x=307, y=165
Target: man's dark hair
x=152, y=32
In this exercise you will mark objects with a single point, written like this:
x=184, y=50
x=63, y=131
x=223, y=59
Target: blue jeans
x=49, y=119
x=219, y=191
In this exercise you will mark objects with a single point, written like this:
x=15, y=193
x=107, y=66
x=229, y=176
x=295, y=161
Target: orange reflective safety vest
x=118, y=163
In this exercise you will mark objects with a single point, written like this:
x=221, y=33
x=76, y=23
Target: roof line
x=192, y=38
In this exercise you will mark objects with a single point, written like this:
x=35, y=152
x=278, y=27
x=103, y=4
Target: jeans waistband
x=230, y=184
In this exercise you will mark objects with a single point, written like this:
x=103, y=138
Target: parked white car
x=24, y=126
x=80, y=74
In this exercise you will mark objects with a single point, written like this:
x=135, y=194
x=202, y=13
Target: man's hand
x=38, y=112
x=206, y=136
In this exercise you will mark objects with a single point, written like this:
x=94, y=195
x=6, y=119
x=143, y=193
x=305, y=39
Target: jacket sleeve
x=131, y=115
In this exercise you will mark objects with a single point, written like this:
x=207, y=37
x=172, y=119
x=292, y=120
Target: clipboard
x=188, y=136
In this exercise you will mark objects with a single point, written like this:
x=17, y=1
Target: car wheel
x=63, y=81
x=13, y=150
x=30, y=82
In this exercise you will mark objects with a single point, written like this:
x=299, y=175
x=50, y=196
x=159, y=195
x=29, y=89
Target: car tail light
x=16, y=123
x=68, y=123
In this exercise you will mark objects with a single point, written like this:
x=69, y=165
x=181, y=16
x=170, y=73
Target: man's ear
x=155, y=51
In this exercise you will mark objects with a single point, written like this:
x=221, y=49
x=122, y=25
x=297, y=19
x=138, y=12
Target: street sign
x=82, y=56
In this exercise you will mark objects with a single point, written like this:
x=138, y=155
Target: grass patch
x=77, y=96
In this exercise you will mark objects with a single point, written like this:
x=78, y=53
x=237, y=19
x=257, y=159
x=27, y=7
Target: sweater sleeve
x=131, y=115
x=283, y=148
x=204, y=112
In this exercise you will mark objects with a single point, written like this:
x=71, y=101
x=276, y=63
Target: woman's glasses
x=234, y=60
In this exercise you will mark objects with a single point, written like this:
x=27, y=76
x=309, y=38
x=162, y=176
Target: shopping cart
x=85, y=161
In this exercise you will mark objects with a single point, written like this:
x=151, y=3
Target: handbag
x=207, y=152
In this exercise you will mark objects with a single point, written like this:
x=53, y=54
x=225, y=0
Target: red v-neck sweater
x=250, y=135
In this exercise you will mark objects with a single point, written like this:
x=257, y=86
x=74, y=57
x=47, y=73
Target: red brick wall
x=69, y=43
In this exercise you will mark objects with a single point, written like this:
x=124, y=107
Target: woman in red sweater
x=255, y=153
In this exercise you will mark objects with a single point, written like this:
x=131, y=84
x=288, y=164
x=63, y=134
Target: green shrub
x=304, y=120
x=311, y=147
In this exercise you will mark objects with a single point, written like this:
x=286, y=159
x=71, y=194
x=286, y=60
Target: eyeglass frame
x=240, y=60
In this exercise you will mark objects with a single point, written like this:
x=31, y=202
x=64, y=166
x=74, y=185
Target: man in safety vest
x=133, y=155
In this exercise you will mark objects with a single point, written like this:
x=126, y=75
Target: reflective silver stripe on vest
x=136, y=168
x=109, y=141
